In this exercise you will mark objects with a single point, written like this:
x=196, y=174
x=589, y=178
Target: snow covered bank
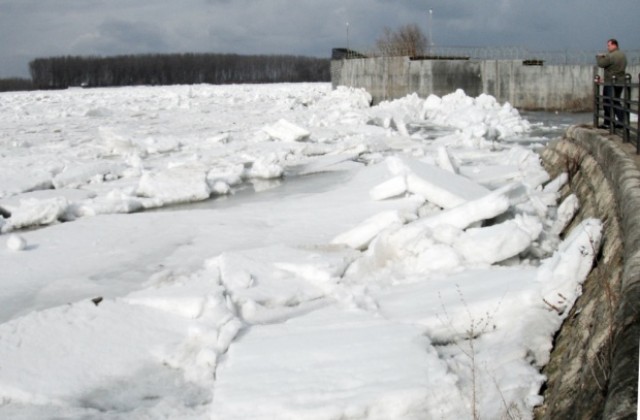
x=428, y=281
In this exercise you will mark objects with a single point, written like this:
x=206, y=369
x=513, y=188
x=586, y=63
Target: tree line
x=171, y=69
x=14, y=84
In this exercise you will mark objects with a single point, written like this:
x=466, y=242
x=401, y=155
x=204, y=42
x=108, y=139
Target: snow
x=16, y=242
x=278, y=251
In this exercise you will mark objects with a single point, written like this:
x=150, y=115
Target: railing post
x=626, y=107
x=611, y=104
x=596, y=101
x=638, y=122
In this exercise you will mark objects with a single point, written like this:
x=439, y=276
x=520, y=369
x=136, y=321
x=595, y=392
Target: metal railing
x=613, y=103
x=549, y=57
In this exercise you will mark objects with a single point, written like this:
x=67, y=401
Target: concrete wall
x=563, y=88
x=593, y=369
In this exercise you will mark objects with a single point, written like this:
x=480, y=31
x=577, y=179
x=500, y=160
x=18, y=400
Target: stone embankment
x=593, y=370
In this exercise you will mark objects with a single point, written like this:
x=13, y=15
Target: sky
x=43, y=28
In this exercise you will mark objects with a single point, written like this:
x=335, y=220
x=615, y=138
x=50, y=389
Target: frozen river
x=279, y=251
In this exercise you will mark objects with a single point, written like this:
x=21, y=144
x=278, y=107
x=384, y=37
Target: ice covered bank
x=426, y=279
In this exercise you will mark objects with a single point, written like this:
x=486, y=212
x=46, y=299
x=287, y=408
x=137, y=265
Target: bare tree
x=409, y=40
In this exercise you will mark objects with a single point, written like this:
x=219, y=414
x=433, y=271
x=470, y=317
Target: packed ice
x=280, y=251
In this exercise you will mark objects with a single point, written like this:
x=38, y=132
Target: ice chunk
x=360, y=236
x=444, y=160
x=392, y=188
x=286, y=131
x=336, y=364
x=31, y=212
x=16, y=242
x=566, y=211
x=557, y=183
x=266, y=167
x=179, y=184
x=186, y=298
x=487, y=207
x=74, y=176
x=562, y=274
x=441, y=187
x=499, y=242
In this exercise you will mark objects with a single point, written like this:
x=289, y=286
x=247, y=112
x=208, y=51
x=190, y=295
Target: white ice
x=277, y=251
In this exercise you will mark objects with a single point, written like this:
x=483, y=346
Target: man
x=614, y=63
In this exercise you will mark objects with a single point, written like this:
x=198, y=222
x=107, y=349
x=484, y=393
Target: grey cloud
x=119, y=36
x=31, y=28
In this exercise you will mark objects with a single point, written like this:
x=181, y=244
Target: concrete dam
x=526, y=85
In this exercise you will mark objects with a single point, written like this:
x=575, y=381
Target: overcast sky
x=44, y=28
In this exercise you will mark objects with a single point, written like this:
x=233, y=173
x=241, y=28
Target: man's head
x=612, y=45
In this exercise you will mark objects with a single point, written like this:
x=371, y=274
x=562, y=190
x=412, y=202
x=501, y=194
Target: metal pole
x=430, y=31
x=596, y=101
x=612, y=115
x=347, y=39
x=626, y=107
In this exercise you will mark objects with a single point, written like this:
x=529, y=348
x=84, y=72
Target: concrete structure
x=526, y=87
x=593, y=369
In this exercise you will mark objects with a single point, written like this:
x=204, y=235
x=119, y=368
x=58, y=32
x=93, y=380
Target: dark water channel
x=553, y=124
